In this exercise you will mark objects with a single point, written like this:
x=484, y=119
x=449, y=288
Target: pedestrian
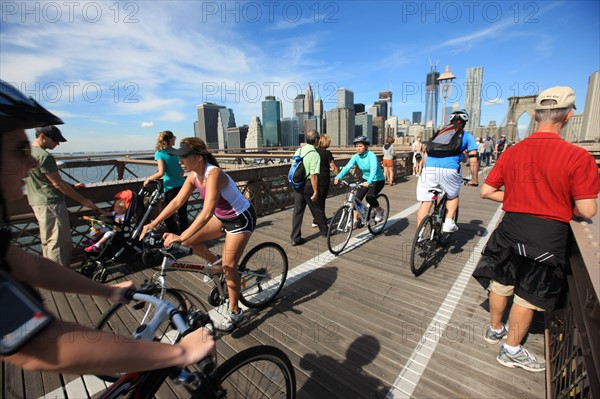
x=418, y=149
x=225, y=212
x=488, y=149
x=389, y=156
x=64, y=346
x=546, y=182
x=308, y=193
x=170, y=171
x=480, y=150
x=372, y=181
x=46, y=191
x=445, y=170
x=500, y=147
x=327, y=166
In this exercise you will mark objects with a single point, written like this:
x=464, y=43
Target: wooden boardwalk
x=358, y=325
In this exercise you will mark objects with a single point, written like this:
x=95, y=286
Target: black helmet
x=461, y=113
x=20, y=112
x=362, y=139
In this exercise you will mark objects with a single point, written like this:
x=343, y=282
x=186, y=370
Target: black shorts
x=245, y=222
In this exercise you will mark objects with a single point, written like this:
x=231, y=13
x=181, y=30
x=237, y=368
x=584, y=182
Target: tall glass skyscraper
x=431, y=98
x=271, y=122
x=208, y=124
x=309, y=106
x=473, y=96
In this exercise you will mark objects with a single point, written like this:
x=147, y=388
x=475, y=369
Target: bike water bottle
x=360, y=207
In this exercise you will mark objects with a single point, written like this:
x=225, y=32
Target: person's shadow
x=343, y=379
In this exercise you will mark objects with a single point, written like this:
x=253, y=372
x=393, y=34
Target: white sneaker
x=379, y=215
x=314, y=225
x=449, y=226
x=230, y=320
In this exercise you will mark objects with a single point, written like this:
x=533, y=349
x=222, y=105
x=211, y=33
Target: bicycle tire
x=423, y=251
x=258, y=372
x=340, y=230
x=377, y=227
x=124, y=320
x=262, y=272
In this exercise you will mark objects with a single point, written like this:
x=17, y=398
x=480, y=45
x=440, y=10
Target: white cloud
x=173, y=116
x=147, y=124
x=494, y=101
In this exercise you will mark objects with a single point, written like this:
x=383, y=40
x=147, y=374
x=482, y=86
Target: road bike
x=262, y=273
x=342, y=223
x=429, y=236
x=257, y=372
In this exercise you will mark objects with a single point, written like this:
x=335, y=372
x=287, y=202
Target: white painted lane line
x=410, y=375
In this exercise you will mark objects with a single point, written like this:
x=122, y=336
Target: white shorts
x=448, y=179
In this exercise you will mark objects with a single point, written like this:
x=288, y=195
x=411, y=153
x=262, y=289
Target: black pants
x=371, y=193
x=301, y=199
x=323, y=192
x=182, y=214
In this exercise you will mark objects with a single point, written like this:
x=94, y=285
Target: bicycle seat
x=436, y=190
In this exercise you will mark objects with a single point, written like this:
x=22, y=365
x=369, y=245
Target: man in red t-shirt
x=546, y=181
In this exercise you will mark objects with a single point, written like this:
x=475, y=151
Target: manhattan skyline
x=118, y=73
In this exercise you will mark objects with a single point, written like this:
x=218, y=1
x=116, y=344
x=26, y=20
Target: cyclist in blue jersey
x=445, y=172
x=372, y=180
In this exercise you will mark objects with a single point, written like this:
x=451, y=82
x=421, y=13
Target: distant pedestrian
x=526, y=257
x=389, y=156
x=488, y=149
x=308, y=193
x=500, y=147
x=170, y=171
x=46, y=192
x=480, y=150
x=418, y=149
x=327, y=165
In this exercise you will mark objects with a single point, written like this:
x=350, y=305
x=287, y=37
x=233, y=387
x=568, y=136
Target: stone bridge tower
x=516, y=107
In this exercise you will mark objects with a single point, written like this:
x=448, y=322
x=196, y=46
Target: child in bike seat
x=107, y=230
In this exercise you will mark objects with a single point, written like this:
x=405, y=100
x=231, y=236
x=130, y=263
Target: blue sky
x=120, y=72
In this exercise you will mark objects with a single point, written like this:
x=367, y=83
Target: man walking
x=46, y=192
x=307, y=194
x=546, y=181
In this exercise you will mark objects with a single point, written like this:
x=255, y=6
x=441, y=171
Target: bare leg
x=498, y=305
x=232, y=253
x=519, y=321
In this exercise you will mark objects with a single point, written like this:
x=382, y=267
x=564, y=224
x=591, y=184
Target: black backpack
x=297, y=173
x=446, y=142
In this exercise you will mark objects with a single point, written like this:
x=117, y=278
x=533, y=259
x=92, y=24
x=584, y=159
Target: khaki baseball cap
x=563, y=95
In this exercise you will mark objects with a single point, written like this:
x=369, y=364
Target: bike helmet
x=461, y=113
x=362, y=139
x=20, y=112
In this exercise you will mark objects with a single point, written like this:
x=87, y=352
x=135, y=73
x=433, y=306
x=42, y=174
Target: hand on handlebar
x=197, y=345
x=336, y=181
x=147, y=227
x=365, y=184
x=120, y=291
x=170, y=238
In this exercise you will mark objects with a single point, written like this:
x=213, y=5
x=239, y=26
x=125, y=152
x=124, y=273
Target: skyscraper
x=254, y=138
x=590, y=125
x=473, y=96
x=364, y=125
x=387, y=97
x=309, y=106
x=416, y=117
x=319, y=113
x=431, y=97
x=271, y=122
x=290, y=133
x=208, y=124
x=345, y=98
x=340, y=126
x=298, y=105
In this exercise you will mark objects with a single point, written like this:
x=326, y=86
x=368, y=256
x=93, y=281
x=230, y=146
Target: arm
x=346, y=168
x=159, y=174
x=74, y=349
x=491, y=193
x=334, y=167
x=66, y=189
x=373, y=165
x=314, y=182
x=186, y=191
x=585, y=208
x=473, y=167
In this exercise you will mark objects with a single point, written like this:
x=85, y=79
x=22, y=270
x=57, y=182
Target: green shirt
x=311, y=159
x=173, y=176
x=40, y=191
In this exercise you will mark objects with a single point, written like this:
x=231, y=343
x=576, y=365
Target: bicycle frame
x=352, y=201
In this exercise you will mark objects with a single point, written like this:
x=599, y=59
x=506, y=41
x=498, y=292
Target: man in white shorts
x=445, y=172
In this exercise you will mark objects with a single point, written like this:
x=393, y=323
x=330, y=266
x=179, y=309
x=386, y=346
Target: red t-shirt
x=543, y=175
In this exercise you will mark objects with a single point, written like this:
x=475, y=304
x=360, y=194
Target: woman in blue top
x=172, y=174
x=372, y=178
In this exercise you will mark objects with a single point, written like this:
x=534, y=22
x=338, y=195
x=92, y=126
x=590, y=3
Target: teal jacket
x=368, y=164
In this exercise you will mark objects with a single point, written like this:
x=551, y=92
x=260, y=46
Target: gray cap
x=563, y=95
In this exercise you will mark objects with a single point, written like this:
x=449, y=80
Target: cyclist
x=65, y=346
x=225, y=212
x=372, y=180
x=446, y=173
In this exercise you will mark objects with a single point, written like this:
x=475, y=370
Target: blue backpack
x=297, y=173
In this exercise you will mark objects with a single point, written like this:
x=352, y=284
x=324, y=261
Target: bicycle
x=429, y=235
x=260, y=371
x=342, y=223
x=262, y=272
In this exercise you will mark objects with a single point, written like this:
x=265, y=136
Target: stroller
x=124, y=246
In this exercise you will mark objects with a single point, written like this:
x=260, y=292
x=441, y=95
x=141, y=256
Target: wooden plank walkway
x=358, y=325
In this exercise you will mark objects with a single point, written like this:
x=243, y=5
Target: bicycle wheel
x=377, y=227
x=257, y=372
x=262, y=271
x=124, y=320
x=340, y=230
x=422, y=254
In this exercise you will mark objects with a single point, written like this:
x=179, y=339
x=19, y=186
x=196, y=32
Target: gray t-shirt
x=40, y=190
